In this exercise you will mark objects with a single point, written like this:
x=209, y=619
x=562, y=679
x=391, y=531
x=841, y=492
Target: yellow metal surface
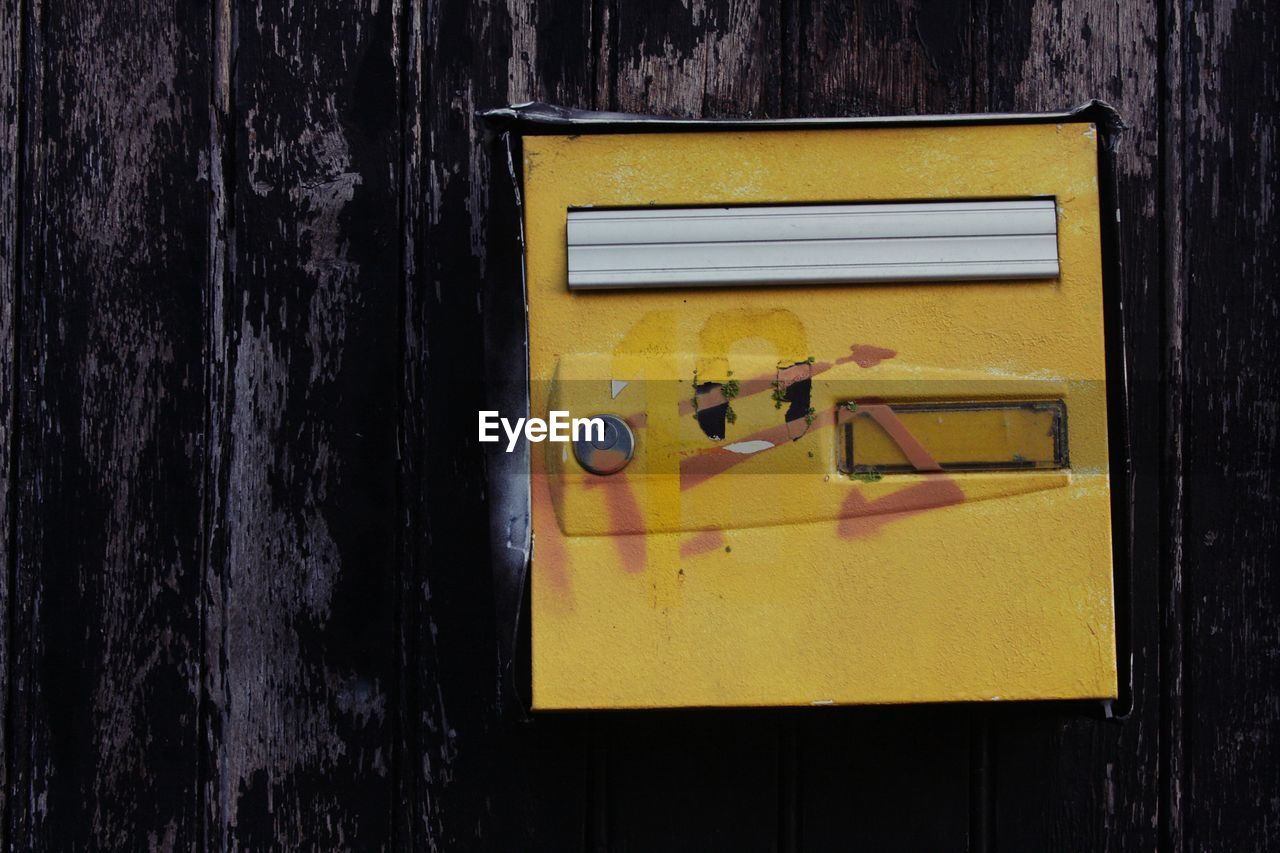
x=748, y=570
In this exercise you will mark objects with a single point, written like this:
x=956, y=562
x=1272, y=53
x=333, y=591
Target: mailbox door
x=854, y=480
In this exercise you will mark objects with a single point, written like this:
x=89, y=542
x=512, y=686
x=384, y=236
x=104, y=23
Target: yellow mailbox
x=854, y=375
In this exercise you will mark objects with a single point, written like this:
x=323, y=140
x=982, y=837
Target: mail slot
x=856, y=377
x=809, y=244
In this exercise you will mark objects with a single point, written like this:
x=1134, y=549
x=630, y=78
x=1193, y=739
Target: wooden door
x=245, y=597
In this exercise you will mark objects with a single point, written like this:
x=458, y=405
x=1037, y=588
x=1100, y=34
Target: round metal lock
x=610, y=454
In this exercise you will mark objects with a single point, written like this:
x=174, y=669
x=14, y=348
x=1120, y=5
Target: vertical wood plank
x=1064, y=778
x=886, y=59
x=693, y=781
x=10, y=95
x=704, y=780
x=1232, y=407
x=106, y=623
x=1170, y=768
x=699, y=58
x=305, y=341
x=885, y=779
x=477, y=776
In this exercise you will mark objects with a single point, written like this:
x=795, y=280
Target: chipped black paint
x=797, y=396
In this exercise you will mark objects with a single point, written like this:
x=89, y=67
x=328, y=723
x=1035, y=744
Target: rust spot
x=701, y=543
x=861, y=517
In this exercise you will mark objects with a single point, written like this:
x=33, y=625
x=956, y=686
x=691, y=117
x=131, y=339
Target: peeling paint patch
x=715, y=397
x=748, y=446
x=864, y=355
x=711, y=408
x=713, y=461
x=794, y=386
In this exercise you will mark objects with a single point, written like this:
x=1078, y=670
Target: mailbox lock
x=610, y=454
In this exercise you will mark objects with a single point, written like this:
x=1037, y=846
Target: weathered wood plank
x=886, y=58
x=476, y=776
x=10, y=189
x=1171, y=768
x=700, y=58
x=305, y=354
x=692, y=781
x=1062, y=778
x=1231, y=176
x=106, y=623
x=885, y=779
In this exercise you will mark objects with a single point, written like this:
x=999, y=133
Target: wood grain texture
x=1066, y=779
x=304, y=331
x=245, y=601
x=10, y=190
x=694, y=59
x=886, y=58
x=105, y=623
x=1231, y=740
x=693, y=781
x=476, y=775
x=860, y=767
x=1171, y=767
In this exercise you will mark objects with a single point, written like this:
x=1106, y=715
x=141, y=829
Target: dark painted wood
x=304, y=339
x=1065, y=779
x=705, y=58
x=105, y=621
x=242, y=509
x=693, y=781
x=886, y=58
x=1231, y=513
x=10, y=157
x=916, y=756
x=477, y=776
x=1171, y=767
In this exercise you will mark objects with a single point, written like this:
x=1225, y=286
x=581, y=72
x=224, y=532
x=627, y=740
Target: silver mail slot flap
x=802, y=244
